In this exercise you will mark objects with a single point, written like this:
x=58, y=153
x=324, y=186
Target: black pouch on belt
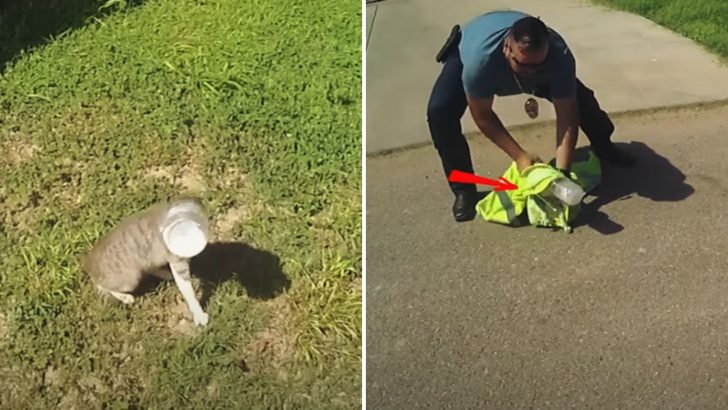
x=452, y=41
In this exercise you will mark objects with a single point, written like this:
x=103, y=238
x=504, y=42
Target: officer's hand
x=526, y=160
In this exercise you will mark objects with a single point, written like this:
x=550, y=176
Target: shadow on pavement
x=654, y=177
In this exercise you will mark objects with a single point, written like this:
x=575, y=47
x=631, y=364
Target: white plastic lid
x=185, y=238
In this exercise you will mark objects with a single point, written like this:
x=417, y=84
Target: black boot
x=464, y=207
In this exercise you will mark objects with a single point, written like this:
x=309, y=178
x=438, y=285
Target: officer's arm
x=481, y=109
x=567, y=130
x=563, y=92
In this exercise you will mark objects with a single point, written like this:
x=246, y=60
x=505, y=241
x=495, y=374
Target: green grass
x=256, y=105
x=701, y=20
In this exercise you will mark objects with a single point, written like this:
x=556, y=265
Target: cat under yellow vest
x=507, y=207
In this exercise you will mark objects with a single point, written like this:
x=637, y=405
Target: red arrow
x=501, y=184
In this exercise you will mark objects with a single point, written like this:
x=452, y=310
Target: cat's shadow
x=258, y=271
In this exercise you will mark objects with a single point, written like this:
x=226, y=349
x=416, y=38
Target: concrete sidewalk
x=630, y=62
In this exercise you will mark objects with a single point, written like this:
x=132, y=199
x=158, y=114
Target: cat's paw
x=125, y=298
x=201, y=319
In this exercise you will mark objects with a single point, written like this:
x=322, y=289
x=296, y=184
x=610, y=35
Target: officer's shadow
x=653, y=177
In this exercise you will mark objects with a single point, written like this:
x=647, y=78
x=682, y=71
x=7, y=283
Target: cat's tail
x=85, y=263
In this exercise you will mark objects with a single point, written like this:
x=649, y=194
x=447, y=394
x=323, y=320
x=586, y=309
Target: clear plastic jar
x=186, y=229
x=567, y=191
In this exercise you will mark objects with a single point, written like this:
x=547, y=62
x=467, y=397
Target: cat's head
x=185, y=229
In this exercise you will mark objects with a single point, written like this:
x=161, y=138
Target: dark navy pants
x=447, y=106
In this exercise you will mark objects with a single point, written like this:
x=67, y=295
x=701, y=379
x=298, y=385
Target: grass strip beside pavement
x=702, y=20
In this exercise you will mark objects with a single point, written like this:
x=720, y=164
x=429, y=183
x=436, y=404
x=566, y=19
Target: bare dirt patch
x=191, y=180
x=324, y=224
x=22, y=219
x=71, y=400
x=275, y=343
x=4, y=328
x=242, y=210
x=226, y=222
x=180, y=319
x=160, y=172
x=165, y=306
x=18, y=152
x=187, y=177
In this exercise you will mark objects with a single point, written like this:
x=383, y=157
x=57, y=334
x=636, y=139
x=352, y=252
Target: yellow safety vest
x=507, y=207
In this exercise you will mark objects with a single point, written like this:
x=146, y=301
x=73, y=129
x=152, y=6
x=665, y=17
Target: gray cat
x=137, y=247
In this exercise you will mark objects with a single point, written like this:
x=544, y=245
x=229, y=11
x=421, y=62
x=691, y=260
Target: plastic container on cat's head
x=185, y=230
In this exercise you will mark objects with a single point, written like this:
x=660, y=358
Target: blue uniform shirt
x=486, y=73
